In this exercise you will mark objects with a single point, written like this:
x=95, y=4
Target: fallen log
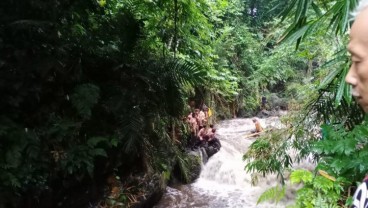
x=253, y=134
x=257, y=133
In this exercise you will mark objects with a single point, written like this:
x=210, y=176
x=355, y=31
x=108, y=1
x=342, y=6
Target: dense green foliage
x=318, y=191
x=331, y=126
x=82, y=99
x=100, y=87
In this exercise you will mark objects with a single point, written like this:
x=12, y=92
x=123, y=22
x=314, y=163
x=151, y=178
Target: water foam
x=223, y=181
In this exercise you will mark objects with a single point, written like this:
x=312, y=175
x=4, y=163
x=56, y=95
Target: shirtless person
x=201, y=117
x=213, y=141
x=211, y=134
x=209, y=130
x=202, y=133
x=192, y=121
x=257, y=126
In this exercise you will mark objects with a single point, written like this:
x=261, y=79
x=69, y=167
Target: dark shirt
x=264, y=100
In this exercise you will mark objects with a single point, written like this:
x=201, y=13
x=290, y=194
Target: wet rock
x=204, y=154
x=211, y=151
x=271, y=113
x=213, y=147
x=190, y=170
x=195, y=166
x=194, y=160
x=263, y=114
x=154, y=188
x=277, y=103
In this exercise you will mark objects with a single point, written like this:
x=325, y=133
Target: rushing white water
x=223, y=181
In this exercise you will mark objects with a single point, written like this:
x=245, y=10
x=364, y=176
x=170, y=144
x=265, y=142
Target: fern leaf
x=93, y=141
x=99, y=152
x=183, y=165
x=276, y=194
x=84, y=98
x=301, y=175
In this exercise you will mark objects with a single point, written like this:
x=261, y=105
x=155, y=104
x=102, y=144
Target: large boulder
x=277, y=103
x=151, y=189
x=271, y=113
x=188, y=170
x=213, y=147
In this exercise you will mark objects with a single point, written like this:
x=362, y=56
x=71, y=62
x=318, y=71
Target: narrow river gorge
x=223, y=181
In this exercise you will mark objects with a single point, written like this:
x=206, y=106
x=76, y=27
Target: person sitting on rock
x=213, y=141
x=200, y=138
x=211, y=135
x=202, y=133
x=209, y=130
x=205, y=135
x=258, y=127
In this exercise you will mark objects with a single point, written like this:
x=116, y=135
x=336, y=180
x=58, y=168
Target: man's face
x=358, y=47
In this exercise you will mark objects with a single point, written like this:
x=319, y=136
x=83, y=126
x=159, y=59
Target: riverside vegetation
x=93, y=93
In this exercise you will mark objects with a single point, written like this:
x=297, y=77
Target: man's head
x=358, y=47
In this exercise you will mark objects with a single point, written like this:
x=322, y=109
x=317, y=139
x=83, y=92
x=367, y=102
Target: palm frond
x=186, y=73
x=334, y=102
x=339, y=61
x=337, y=14
x=273, y=194
x=132, y=133
x=165, y=83
x=184, y=167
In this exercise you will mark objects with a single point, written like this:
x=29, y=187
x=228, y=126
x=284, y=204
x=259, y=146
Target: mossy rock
x=154, y=188
x=189, y=169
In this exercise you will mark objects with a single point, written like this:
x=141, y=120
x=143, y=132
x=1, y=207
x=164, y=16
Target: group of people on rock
x=202, y=133
x=197, y=119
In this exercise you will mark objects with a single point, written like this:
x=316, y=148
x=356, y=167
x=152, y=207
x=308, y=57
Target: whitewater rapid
x=223, y=181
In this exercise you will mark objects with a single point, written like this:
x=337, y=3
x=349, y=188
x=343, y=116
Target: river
x=223, y=181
